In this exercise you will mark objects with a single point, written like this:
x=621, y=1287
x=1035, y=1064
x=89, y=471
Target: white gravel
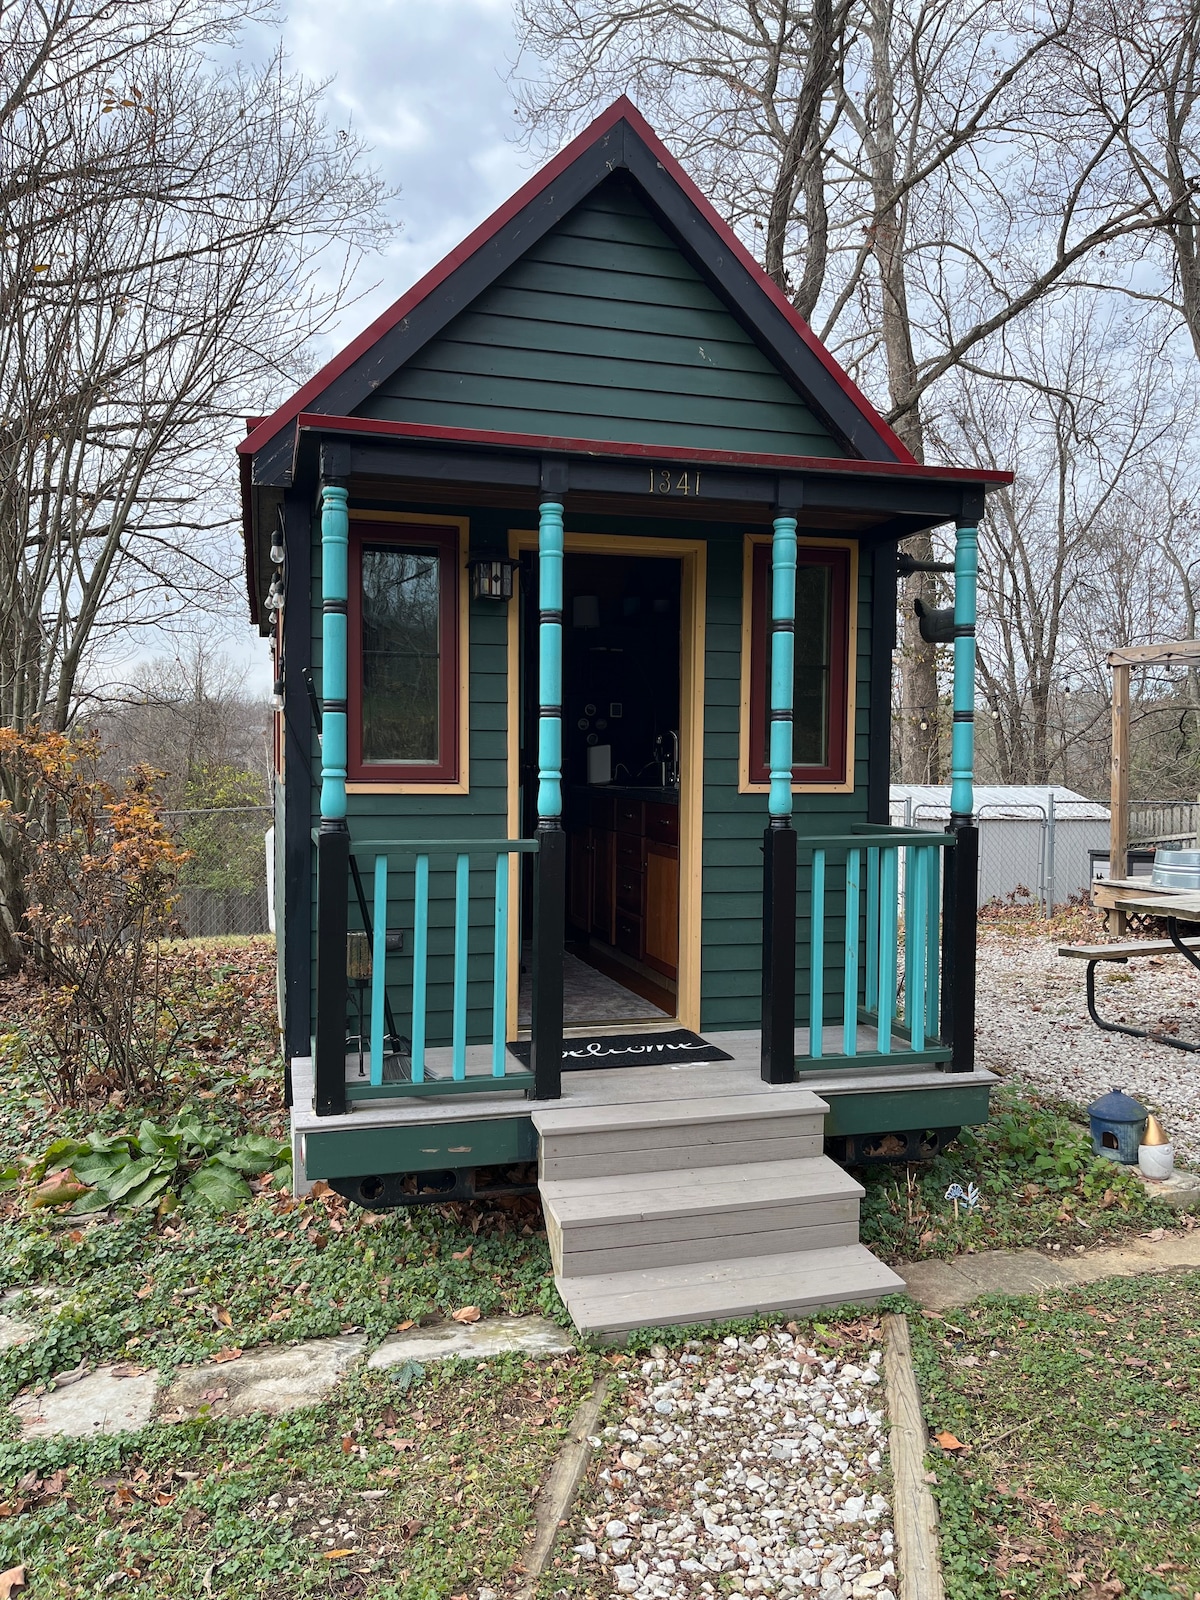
x=744, y=1466
x=1032, y=1023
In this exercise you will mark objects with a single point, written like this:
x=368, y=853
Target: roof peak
x=620, y=138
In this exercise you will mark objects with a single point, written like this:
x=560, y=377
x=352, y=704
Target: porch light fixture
x=491, y=577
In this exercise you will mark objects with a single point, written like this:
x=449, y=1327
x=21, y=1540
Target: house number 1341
x=665, y=481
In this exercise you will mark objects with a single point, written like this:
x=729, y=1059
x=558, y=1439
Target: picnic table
x=1174, y=908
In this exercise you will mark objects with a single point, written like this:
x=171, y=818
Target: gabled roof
x=618, y=140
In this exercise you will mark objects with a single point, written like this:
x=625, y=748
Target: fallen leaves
x=949, y=1442
x=58, y=1189
x=11, y=1581
x=232, y=1353
x=466, y=1314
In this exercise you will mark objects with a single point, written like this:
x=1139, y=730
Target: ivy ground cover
x=1067, y=1441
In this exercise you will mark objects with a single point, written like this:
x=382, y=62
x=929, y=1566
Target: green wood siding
x=731, y=933
x=605, y=331
x=482, y=814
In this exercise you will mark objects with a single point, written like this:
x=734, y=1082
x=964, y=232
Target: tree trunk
x=919, y=740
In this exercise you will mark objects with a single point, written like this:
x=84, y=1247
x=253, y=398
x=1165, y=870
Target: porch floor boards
x=624, y=1086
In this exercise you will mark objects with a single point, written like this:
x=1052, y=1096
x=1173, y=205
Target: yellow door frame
x=692, y=554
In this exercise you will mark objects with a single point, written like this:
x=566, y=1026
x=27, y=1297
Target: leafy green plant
x=157, y=1166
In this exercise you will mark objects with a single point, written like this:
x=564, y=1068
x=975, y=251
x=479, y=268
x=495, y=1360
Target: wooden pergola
x=1171, y=652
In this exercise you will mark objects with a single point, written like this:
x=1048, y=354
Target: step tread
x=716, y=1290
x=644, y=1196
x=772, y=1101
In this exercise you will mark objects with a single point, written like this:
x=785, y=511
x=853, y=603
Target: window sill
x=382, y=786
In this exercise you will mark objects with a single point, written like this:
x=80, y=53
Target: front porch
x=688, y=1192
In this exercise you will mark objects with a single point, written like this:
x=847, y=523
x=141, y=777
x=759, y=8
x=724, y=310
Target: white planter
x=1156, y=1160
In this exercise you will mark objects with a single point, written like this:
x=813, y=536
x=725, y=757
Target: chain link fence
x=1031, y=852
x=223, y=883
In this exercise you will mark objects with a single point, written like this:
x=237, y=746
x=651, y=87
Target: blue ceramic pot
x=1117, y=1121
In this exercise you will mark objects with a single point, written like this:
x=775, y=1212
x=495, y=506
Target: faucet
x=673, y=763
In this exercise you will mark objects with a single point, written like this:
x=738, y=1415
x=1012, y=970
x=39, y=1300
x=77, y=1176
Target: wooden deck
x=688, y=1191
x=622, y=1086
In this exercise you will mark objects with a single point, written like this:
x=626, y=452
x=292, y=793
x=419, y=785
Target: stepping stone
x=490, y=1336
x=270, y=1380
x=15, y=1330
x=109, y=1400
x=1181, y=1191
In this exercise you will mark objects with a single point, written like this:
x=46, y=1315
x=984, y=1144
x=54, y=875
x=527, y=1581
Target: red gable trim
x=622, y=109
x=430, y=433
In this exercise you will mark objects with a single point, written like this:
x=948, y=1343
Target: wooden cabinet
x=579, y=880
x=623, y=878
x=604, y=864
x=662, y=907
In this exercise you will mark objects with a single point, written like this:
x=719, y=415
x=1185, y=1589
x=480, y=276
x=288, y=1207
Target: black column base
x=549, y=918
x=959, y=933
x=329, y=1045
x=779, y=957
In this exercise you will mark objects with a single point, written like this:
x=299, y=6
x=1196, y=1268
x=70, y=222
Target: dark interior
x=621, y=780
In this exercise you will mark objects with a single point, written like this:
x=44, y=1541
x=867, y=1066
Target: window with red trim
x=403, y=677
x=822, y=669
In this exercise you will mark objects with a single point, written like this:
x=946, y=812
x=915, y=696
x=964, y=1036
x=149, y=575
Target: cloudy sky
x=424, y=82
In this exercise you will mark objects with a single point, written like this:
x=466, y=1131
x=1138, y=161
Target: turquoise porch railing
x=438, y=883
x=873, y=899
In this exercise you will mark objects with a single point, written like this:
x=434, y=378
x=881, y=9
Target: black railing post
x=329, y=1044
x=549, y=919
x=779, y=956
x=960, y=896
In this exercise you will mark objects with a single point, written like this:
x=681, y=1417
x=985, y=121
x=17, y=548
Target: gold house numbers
x=673, y=480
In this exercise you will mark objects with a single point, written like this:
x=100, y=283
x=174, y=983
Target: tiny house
x=580, y=569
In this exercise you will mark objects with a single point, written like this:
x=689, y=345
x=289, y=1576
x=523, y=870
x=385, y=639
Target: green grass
x=202, y=1507
x=1040, y=1186
x=1081, y=1410
x=423, y=1493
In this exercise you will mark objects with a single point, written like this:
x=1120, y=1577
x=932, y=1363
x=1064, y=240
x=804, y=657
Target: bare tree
x=956, y=190
x=1069, y=563
x=190, y=716
x=176, y=232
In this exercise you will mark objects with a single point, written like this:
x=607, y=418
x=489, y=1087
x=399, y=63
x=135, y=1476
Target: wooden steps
x=696, y=1211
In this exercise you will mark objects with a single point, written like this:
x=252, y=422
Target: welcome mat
x=628, y=1050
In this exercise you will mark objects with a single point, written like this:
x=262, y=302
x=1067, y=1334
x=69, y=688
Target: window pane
x=810, y=692
x=400, y=654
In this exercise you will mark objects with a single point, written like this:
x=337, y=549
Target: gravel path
x=1032, y=1023
x=744, y=1466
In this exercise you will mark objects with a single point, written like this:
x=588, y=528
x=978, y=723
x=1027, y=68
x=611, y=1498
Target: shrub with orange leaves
x=100, y=871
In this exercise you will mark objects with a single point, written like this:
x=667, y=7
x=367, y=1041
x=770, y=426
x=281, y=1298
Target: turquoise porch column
x=333, y=836
x=778, y=1046
x=783, y=655
x=550, y=873
x=335, y=546
x=550, y=670
x=962, y=746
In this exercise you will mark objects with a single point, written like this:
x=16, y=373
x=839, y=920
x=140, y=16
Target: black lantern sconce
x=491, y=577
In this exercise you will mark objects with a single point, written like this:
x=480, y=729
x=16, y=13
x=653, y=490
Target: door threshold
x=610, y=1025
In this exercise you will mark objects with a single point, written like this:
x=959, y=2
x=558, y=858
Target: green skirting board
x=378, y=1151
